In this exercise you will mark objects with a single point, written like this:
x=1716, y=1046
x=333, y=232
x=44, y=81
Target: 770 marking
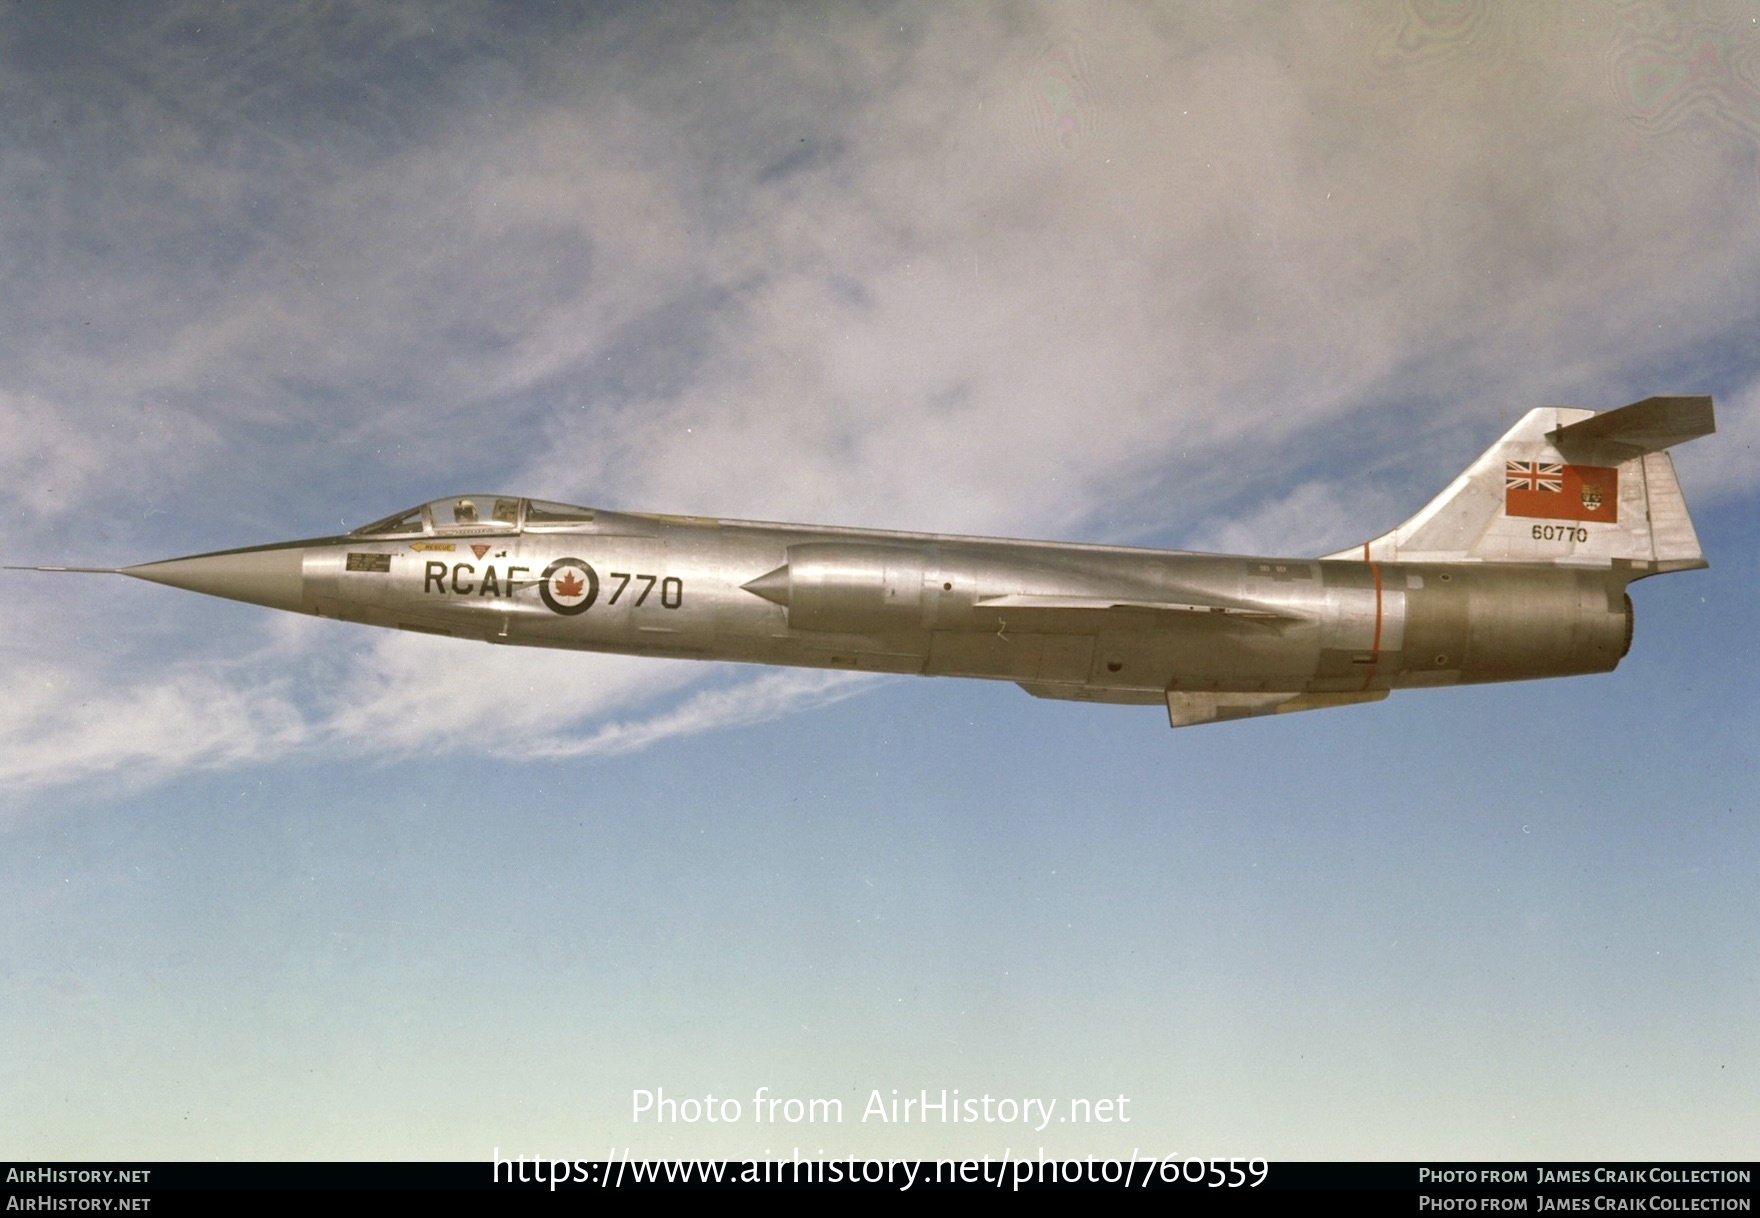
x=671, y=589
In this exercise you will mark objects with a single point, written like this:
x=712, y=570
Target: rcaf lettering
x=460, y=579
x=434, y=578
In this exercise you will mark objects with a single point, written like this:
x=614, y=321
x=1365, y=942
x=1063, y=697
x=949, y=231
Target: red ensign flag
x=1561, y=492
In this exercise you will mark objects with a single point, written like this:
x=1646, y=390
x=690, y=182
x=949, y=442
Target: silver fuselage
x=1087, y=622
x=1517, y=569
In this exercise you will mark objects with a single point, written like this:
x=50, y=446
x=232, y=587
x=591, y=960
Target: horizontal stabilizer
x=1631, y=431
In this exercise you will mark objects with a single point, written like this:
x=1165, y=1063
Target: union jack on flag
x=1532, y=476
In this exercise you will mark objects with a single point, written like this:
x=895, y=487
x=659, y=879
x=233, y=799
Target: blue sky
x=1260, y=280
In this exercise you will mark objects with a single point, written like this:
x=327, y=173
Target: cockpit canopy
x=471, y=515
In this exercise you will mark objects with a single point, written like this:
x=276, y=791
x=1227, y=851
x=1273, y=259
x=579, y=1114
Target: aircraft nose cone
x=270, y=577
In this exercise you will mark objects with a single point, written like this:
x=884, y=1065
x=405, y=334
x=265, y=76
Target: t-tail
x=1565, y=487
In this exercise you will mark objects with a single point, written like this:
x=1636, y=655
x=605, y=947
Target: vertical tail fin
x=1565, y=486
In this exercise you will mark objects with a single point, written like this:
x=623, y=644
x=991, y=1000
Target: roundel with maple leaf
x=569, y=586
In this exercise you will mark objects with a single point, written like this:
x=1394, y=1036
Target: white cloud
x=757, y=700
x=62, y=724
x=1727, y=464
x=1312, y=519
x=405, y=696
x=409, y=692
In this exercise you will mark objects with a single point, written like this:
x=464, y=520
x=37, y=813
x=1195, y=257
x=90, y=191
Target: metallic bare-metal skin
x=1475, y=588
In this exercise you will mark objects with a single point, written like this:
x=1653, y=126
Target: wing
x=1097, y=615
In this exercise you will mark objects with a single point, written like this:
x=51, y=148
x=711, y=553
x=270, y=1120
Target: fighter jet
x=1518, y=569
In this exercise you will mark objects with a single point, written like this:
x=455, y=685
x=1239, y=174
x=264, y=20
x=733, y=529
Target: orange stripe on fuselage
x=1375, y=642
